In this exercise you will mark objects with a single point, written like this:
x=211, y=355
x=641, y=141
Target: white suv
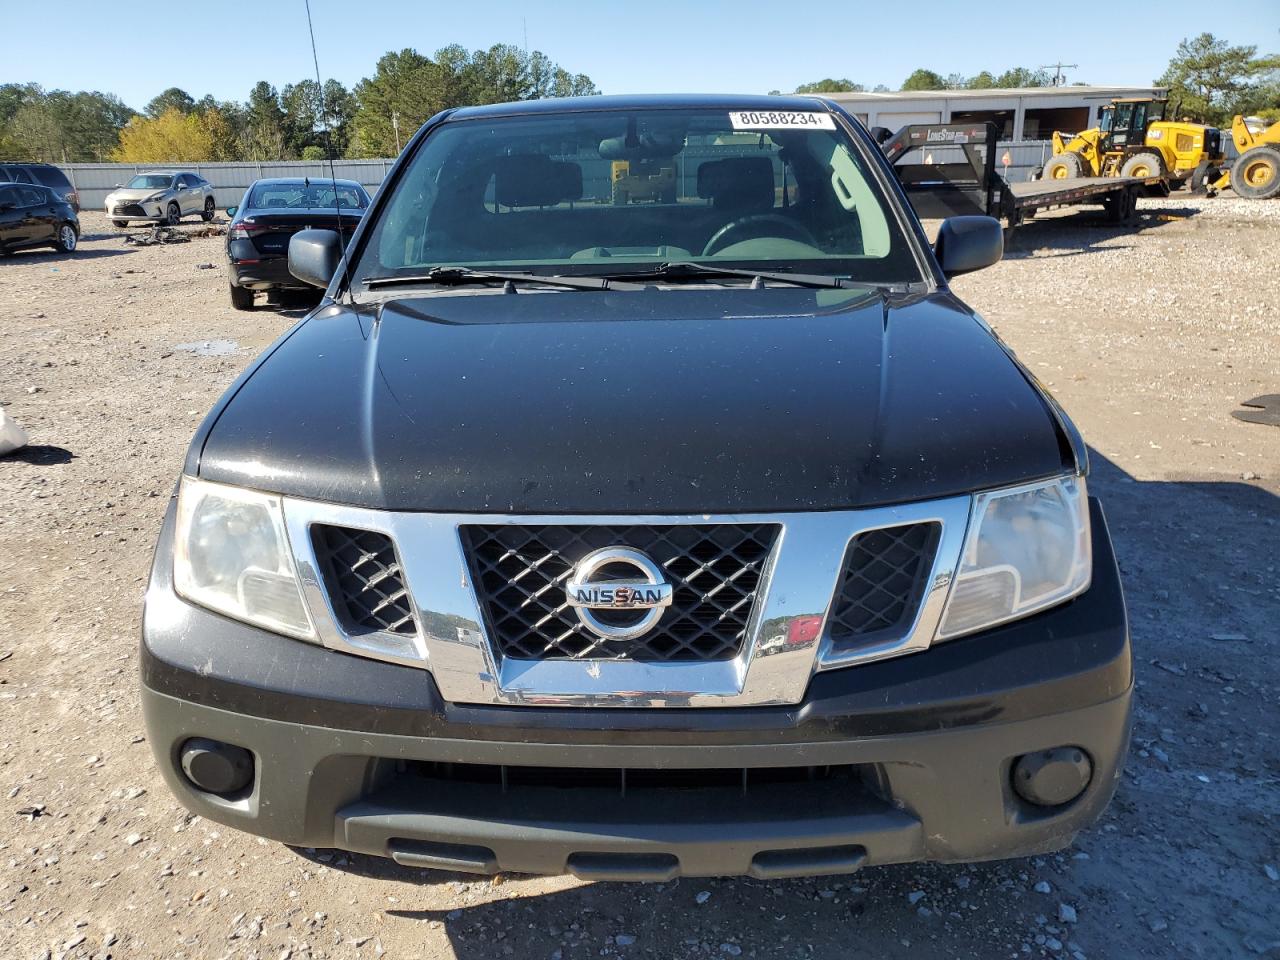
x=161, y=196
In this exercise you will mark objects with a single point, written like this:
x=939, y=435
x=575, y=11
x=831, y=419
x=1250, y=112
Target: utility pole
x=395, y=125
x=1058, y=76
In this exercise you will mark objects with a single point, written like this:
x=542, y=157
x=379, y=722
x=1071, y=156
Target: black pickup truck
x=630, y=533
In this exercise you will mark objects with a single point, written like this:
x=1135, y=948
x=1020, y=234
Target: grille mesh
x=520, y=574
x=884, y=576
x=365, y=581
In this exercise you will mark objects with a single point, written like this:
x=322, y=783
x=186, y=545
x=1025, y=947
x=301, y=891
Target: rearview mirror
x=231, y=211
x=966, y=244
x=314, y=256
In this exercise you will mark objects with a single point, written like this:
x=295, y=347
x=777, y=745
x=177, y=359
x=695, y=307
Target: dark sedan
x=35, y=216
x=271, y=212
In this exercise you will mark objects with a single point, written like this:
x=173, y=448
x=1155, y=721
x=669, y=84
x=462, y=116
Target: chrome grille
x=883, y=580
x=365, y=580
x=519, y=573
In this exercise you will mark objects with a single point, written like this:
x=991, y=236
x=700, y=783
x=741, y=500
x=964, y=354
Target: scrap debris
x=157, y=234
x=1263, y=409
x=12, y=436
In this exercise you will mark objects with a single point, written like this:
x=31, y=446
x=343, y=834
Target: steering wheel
x=729, y=232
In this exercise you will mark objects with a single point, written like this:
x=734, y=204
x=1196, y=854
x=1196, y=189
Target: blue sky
x=635, y=46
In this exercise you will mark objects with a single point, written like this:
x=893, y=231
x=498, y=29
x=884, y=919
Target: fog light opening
x=216, y=767
x=1051, y=778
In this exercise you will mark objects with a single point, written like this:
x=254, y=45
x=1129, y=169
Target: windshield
x=266, y=196
x=608, y=192
x=150, y=181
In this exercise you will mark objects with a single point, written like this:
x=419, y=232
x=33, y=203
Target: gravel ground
x=1149, y=337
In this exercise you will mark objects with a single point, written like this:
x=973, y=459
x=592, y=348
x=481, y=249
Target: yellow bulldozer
x=1255, y=174
x=1132, y=139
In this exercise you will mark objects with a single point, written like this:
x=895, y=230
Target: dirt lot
x=1149, y=337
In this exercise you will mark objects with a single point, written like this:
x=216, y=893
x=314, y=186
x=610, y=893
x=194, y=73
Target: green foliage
x=313, y=153
x=174, y=98
x=407, y=88
x=58, y=126
x=831, y=86
x=924, y=80
x=300, y=112
x=1024, y=77
x=272, y=125
x=1209, y=80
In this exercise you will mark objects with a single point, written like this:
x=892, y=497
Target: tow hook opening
x=222, y=769
x=1052, y=778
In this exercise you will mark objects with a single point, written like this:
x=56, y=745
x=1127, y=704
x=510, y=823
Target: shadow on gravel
x=1194, y=557
x=40, y=455
x=891, y=911
x=54, y=256
x=1065, y=235
x=294, y=304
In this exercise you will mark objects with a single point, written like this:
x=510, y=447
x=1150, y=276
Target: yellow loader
x=1255, y=175
x=1133, y=140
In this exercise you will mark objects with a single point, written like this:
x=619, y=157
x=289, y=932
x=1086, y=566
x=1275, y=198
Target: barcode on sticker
x=780, y=120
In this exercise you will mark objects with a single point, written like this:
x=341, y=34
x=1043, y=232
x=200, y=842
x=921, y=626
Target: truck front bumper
x=901, y=760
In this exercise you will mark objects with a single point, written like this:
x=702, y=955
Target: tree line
x=1209, y=81
x=290, y=123
x=923, y=79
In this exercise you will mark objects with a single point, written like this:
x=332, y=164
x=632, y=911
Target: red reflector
x=804, y=629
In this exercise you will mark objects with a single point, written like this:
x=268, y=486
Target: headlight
x=232, y=555
x=155, y=197
x=1027, y=548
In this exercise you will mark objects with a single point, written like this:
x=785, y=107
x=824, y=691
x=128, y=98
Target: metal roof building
x=1022, y=114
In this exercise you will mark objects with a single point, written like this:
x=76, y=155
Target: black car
x=271, y=212
x=44, y=174
x=36, y=216
x=640, y=501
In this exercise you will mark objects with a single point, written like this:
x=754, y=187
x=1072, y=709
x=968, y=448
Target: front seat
x=737, y=186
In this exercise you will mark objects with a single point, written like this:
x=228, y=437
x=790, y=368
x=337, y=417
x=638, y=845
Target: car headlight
x=232, y=555
x=1027, y=548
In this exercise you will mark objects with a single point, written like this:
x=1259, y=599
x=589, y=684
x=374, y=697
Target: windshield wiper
x=458, y=276
x=700, y=271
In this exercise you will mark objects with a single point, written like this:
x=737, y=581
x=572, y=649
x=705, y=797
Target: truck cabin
x=1123, y=121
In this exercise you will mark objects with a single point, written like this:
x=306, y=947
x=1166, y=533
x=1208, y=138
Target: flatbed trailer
x=949, y=169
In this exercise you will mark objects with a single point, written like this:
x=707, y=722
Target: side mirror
x=231, y=211
x=966, y=244
x=182, y=186
x=314, y=256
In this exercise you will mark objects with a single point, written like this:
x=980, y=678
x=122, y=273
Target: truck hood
x=676, y=400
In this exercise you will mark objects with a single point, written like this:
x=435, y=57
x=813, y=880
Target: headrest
x=535, y=180
x=737, y=182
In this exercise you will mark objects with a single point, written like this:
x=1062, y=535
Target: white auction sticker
x=780, y=120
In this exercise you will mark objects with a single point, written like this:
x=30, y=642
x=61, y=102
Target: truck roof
x=669, y=101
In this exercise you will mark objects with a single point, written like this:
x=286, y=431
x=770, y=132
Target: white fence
x=93, y=181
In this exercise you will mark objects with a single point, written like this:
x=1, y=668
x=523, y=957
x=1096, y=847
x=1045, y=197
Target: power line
x=1058, y=76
